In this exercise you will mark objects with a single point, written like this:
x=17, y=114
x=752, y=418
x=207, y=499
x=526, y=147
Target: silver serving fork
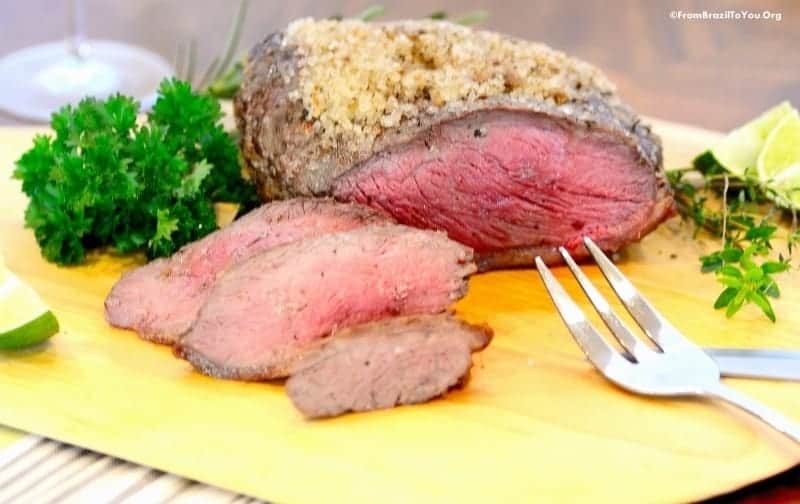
x=674, y=366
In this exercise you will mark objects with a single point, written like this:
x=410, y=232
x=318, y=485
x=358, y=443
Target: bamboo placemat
x=38, y=470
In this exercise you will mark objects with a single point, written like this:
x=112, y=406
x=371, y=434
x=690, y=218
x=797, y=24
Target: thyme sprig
x=740, y=213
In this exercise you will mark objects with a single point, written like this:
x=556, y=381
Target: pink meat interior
x=501, y=180
x=303, y=291
x=161, y=299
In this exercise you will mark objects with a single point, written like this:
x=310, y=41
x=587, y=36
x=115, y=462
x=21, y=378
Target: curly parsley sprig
x=105, y=180
x=741, y=214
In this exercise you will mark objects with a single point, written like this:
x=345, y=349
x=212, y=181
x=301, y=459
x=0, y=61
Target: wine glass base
x=37, y=81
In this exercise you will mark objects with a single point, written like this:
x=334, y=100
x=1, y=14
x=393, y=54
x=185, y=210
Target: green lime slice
x=738, y=151
x=24, y=318
x=778, y=164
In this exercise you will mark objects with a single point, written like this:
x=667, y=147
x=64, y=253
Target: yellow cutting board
x=536, y=422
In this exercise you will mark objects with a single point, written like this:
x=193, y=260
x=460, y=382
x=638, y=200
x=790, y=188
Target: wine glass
x=38, y=80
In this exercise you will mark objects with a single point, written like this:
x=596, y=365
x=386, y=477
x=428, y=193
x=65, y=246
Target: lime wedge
x=738, y=151
x=24, y=318
x=778, y=164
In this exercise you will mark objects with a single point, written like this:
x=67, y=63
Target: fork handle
x=777, y=420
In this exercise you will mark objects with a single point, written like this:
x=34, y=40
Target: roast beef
x=509, y=146
x=161, y=299
x=402, y=360
x=264, y=313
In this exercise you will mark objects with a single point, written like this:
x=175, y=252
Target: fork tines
x=673, y=366
x=659, y=330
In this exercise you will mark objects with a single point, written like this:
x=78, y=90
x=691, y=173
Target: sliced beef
x=526, y=184
x=262, y=315
x=402, y=360
x=161, y=299
x=508, y=146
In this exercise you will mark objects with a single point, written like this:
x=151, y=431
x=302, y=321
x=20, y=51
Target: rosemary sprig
x=223, y=76
x=472, y=18
x=227, y=84
x=467, y=19
x=372, y=12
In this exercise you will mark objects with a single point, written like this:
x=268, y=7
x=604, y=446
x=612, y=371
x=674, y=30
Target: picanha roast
x=395, y=160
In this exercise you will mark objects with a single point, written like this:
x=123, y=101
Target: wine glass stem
x=75, y=28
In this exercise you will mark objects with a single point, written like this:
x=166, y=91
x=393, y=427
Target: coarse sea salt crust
x=358, y=79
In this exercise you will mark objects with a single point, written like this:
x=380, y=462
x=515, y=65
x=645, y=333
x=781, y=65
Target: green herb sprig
x=740, y=214
x=105, y=180
x=223, y=77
